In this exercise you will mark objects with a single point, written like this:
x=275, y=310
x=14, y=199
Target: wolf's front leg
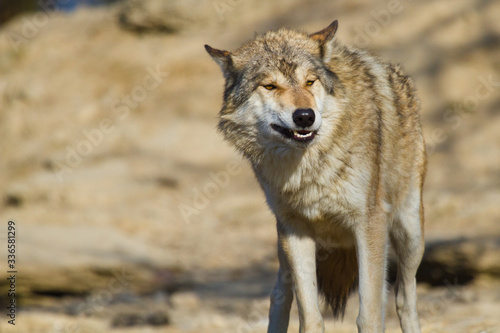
x=281, y=297
x=298, y=252
x=371, y=248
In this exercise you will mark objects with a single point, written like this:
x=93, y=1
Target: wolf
x=334, y=138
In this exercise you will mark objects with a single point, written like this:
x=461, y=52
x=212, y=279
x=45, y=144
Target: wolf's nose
x=304, y=117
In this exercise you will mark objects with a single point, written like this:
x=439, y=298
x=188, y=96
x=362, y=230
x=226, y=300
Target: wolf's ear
x=223, y=58
x=325, y=40
x=326, y=34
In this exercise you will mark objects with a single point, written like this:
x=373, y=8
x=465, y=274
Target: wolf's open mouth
x=301, y=136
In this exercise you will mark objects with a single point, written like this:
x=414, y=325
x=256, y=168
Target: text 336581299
x=11, y=271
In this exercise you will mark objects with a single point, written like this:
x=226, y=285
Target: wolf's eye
x=270, y=86
x=310, y=82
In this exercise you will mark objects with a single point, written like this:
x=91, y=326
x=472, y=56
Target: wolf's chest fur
x=319, y=191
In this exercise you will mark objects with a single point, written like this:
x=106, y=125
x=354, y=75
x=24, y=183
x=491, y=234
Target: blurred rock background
x=133, y=215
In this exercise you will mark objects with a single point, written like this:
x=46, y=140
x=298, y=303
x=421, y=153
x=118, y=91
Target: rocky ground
x=132, y=215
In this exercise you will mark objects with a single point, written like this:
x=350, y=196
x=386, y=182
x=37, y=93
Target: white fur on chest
x=307, y=189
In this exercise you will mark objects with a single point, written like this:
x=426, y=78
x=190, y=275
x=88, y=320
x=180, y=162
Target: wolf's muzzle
x=300, y=136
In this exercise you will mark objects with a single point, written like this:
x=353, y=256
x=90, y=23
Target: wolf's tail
x=337, y=274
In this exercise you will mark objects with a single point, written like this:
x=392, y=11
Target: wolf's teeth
x=297, y=134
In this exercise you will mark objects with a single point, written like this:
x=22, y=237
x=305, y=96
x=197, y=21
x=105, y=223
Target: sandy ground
x=132, y=215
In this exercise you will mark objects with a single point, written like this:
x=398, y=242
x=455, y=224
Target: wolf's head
x=278, y=90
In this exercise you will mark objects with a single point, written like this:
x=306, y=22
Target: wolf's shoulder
x=403, y=87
